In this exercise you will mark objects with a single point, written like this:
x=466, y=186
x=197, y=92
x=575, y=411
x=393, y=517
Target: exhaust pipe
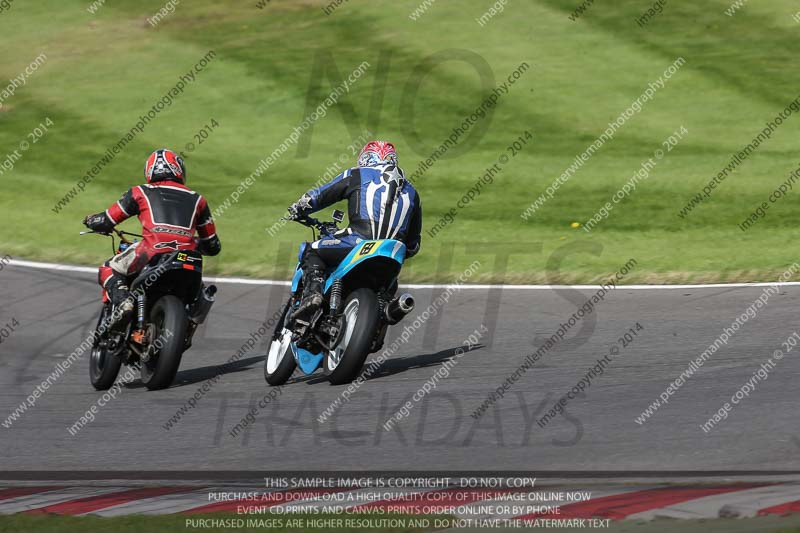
x=203, y=304
x=399, y=308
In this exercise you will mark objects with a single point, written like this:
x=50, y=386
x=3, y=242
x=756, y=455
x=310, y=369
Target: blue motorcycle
x=358, y=308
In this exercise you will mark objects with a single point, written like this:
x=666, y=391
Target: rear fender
x=179, y=273
x=366, y=251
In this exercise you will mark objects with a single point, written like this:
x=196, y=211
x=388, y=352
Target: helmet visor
x=371, y=159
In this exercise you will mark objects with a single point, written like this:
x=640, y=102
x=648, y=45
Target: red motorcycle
x=170, y=301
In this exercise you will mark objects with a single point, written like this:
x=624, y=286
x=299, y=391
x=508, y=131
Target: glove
x=294, y=211
x=98, y=222
x=300, y=208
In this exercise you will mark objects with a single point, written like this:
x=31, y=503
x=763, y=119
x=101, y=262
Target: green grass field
x=104, y=70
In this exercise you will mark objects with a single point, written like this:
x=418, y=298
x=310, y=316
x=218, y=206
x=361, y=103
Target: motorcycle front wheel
x=361, y=321
x=103, y=365
x=280, y=363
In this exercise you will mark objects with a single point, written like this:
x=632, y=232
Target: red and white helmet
x=164, y=165
x=377, y=153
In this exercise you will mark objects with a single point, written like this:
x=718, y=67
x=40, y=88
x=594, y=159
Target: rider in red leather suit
x=170, y=214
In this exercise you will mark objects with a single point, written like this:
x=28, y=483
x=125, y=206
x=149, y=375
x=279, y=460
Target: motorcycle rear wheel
x=167, y=315
x=361, y=321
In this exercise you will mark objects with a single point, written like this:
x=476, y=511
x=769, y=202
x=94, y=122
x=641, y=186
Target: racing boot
x=312, y=294
x=119, y=293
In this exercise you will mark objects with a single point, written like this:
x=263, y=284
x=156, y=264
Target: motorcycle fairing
x=298, y=275
x=390, y=248
x=307, y=361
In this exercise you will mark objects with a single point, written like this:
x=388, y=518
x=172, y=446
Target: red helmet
x=377, y=153
x=164, y=165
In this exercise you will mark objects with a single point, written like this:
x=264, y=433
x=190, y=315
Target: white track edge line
x=249, y=281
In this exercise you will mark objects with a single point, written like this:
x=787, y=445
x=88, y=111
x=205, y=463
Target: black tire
x=364, y=330
x=168, y=314
x=287, y=364
x=103, y=366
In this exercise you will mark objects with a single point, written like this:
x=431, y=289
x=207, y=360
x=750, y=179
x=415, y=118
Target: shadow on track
x=196, y=375
x=396, y=366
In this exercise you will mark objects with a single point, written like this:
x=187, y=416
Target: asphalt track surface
x=56, y=310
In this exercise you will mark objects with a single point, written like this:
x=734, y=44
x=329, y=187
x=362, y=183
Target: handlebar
x=119, y=233
x=326, y=228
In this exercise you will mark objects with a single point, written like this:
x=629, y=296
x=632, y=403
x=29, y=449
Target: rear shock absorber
x=336, y=295
x=140, y=304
